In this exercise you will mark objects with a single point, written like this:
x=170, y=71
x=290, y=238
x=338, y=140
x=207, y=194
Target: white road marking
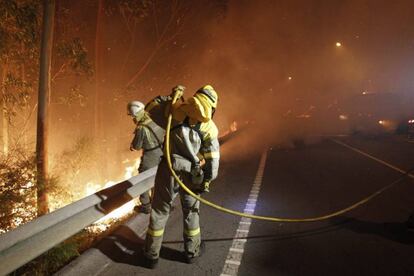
x=102, y=268
x=232, y=262
x=239, y=240
x=251, y=205
x=238, y=250
x=373, y=158
x=235, y=254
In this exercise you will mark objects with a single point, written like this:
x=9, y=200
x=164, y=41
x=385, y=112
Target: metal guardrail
x=26, y=242
x=21, y=245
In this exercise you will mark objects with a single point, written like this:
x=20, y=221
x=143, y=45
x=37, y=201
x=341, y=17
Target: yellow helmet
x=207, y=94
x=200, y=107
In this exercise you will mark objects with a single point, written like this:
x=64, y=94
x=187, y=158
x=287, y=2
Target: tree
x=20, y=28
x=18, y=52
x=17, y=190
x=98, y=70
x=178, y=14
x=43, y=101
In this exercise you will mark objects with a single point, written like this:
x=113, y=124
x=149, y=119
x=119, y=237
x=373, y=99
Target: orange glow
x=233, y=126
x=103, y=223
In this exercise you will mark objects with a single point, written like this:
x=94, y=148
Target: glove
x=203, y=188
x=197, y=175
x=196, y=180
x=195, y=169
x=178, y=90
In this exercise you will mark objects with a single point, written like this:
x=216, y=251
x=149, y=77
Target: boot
x=143, y=208
x=190, y=259
x=150, y=263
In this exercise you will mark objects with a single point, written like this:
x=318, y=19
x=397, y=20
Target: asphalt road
x=305, y=181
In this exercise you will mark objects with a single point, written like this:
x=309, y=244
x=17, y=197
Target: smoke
x=275, y=64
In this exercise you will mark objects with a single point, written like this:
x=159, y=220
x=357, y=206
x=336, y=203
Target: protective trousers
x=166, y=189
x=149, y=160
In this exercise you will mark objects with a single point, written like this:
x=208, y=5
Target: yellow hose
x=276, y=219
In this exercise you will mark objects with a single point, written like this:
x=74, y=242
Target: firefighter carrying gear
x=149, y=137
x=159, y=107
x=187, y=142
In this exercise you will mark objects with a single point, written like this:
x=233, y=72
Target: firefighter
x=149, y=137
x=194, y=137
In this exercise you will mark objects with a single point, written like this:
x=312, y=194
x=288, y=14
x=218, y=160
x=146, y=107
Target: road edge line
x=236, y=250
x=373, y=158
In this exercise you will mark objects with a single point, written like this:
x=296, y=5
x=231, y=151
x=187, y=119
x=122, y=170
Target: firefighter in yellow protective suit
x=194, y=137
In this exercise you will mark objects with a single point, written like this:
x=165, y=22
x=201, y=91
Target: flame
x=104, y=223
x=24, y=212
x=233, y=126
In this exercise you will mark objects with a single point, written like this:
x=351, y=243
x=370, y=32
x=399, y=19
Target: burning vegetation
x=88, y=131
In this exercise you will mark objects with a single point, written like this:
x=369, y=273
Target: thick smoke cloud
x=277, y=64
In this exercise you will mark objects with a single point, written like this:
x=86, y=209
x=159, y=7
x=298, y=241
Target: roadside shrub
x=17, y=189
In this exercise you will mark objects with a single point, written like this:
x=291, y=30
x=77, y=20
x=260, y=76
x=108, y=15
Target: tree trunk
x=98, y=98
x=43, y=100
x=98, y=75
x=4, y=115
x=26, y=106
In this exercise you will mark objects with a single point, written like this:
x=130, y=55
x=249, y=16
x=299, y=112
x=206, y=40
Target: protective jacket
x=159, y=108
x=199, y=108
x=149, y=137
x=190, y=144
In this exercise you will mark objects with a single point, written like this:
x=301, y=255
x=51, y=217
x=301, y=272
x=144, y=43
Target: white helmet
x=135, y=108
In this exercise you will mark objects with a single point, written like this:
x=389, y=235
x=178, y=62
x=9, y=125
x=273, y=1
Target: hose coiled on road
x=267, y=218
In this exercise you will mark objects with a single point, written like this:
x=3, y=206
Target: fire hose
x=274, y=219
